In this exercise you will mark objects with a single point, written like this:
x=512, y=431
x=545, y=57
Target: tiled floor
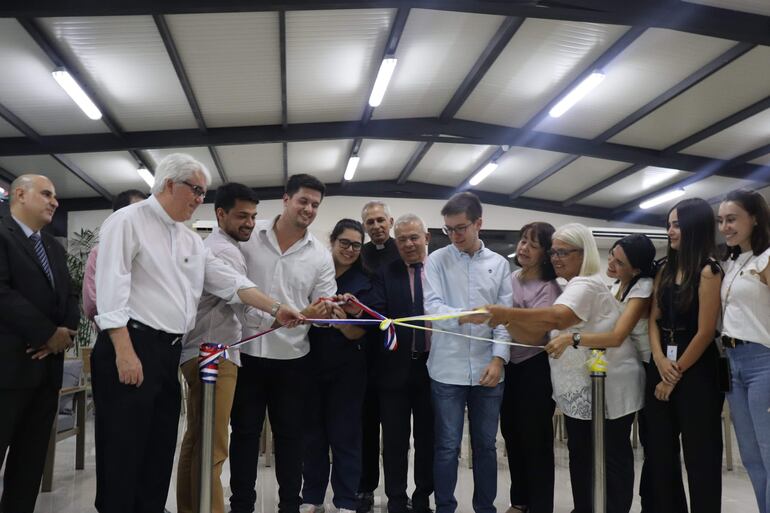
x=74, y=490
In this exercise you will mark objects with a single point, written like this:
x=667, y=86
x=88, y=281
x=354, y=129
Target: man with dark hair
x=464, y=372
x=123, y=199
x=216, y=321
x=38, y=316
x=282, y=257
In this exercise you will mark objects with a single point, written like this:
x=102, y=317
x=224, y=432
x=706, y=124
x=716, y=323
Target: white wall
x=335, y=208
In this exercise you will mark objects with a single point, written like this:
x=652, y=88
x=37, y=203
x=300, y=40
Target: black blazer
x=30, y=308
x=392, y=297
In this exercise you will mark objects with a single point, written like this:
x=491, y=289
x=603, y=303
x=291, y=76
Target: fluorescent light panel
x=384, y=75
x=512, y=255
x=577, y=94
x=350, y=171
x=663, y=198
x=485, y=172
x=73, y=89
x=146, y=176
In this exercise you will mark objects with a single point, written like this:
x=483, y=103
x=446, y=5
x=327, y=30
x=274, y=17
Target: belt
x=732, y=341
x=172, y=338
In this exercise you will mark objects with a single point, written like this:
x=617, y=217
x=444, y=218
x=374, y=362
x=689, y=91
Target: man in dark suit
x=38, y=316
x=403, y=379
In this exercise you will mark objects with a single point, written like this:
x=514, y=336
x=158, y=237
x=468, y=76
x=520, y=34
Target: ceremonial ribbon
x=598, y=362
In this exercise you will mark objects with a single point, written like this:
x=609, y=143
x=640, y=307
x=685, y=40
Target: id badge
x=671, y=353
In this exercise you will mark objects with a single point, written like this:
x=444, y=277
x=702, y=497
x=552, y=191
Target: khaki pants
x=188, y=472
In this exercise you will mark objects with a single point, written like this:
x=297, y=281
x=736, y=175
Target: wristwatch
x=575, y=340
x=275, y=308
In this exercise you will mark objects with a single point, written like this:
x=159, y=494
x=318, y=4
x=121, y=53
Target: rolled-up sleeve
x=117, y=248
x=222, y=280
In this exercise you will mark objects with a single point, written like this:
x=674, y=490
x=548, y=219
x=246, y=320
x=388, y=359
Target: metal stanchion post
x=208, y=365
x=599, y=474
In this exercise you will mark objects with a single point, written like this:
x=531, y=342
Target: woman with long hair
x=527, y=410
x=682, y=393
x=586, y=304
x=338, y=383
x=744, y=221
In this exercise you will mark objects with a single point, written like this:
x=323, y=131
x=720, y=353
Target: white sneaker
x=311, y=508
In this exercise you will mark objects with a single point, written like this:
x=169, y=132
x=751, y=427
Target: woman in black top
x=683, y=396
x=337, y=385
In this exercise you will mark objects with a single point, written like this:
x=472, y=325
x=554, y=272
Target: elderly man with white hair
x=150, y=274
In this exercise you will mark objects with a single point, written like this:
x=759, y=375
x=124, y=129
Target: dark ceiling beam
x=412, y=129
x=19, y=124
x=73, y=168
x=7, y=175
x=600, y=63
x=414, y=161
x=391, y=45
x=184, y=81
x=494, y=48
x=695, y=78
x=57, y=58
x=762, y=174
x=669, y=14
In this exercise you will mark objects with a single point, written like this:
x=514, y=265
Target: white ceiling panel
x=517, y=167
x=326, y=160
x=383, y=160
x=762, y=161
x=28, y=90
x=652, y=64
x=200, y=154
x=577, y=176
x=255, y=165
x=714, y=186
x=332, y=58
x=734, y=87
x=541, y=59
x=66, y=183
x=449, y=164
x=752, y=6
x=233, y=63
x=6, y=130
x=736, y=140
x=435, y=53
x=124, y=59
x=641, y=182
x=113, y=170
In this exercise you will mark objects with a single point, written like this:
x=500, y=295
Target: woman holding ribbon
x=337, y=386
x=585, y=305
x=744, y=221
x=682, y=392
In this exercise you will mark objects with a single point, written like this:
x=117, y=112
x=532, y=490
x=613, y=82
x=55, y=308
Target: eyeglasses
x=196, y=189
x=560, y=253
x=347, y=244
x=459, y=230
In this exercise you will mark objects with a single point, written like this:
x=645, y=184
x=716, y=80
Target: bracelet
x=275, y=308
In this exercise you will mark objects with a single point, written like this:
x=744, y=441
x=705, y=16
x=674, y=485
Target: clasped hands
x=670, y=374
x=339, y=306
x=60, y=341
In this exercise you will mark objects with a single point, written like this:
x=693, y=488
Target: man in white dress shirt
x=286, y=261
x=150, y=273
x=236, y=208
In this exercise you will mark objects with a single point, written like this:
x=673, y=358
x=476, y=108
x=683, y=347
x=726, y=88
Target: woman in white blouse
x=745, y=223
x=586, y=305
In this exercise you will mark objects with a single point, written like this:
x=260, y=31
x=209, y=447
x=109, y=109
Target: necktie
x=41, y=255
x=418, y=343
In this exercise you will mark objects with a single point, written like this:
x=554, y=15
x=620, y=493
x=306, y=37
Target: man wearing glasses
x=150, y=273
x=465, y=372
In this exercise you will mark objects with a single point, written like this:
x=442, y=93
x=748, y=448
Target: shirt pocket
x=193, y=268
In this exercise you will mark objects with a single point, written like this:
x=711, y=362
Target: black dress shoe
x=365, y=502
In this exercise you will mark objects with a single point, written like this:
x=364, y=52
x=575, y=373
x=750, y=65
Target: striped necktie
x=41, y=256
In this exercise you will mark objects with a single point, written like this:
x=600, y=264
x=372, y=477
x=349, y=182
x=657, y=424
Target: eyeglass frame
x=459, y=230
x=197, y=190
x=561, y=254
x=350, y=244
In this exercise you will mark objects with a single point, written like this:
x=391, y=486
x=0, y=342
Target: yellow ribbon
x=598, y=361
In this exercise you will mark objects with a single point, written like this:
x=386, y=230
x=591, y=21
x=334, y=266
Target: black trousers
x=693, y=411
x=619, y=460
x=370, y=441
x=645, y=482
x=526, y=422
x=135, y=427
x=397, y=408
x=334, y=398
x=25, y=427
x=278, y=387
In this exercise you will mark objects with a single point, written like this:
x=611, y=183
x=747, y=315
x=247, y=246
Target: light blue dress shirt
x=456, y=281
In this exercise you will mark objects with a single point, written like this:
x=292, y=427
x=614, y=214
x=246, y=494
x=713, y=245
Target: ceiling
x=261, y=90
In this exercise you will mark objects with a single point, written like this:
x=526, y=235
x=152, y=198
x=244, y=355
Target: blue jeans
x=749, y=403
x=449, y=403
